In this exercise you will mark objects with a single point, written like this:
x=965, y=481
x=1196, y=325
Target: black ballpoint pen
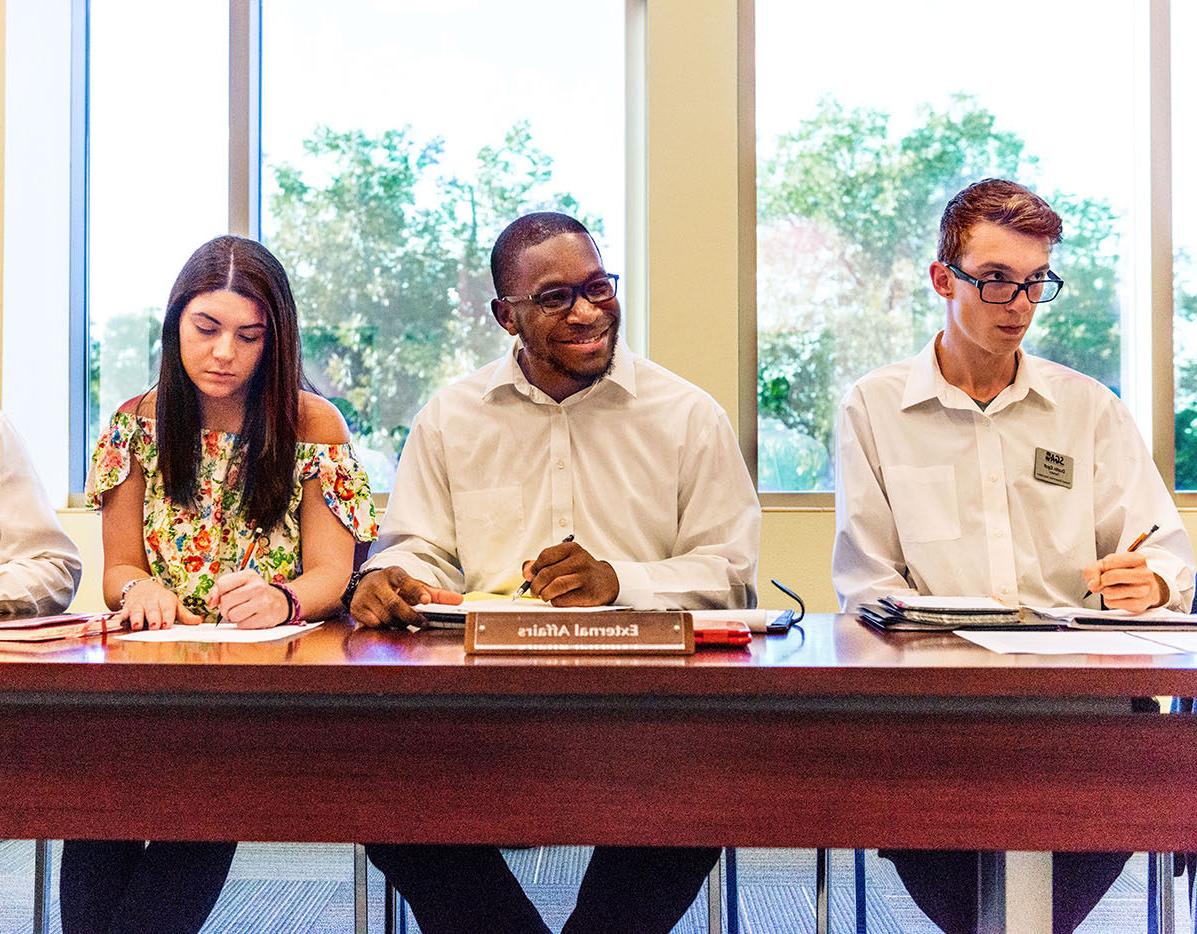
x=527, y=584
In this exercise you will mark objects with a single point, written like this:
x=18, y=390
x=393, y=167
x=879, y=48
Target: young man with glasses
x=568, y=435
x=976, y=468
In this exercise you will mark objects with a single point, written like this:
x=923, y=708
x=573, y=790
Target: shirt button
x=560, y=465
x=993, y=478
x=561, y=522
x=999, y=534
x=1004, y=590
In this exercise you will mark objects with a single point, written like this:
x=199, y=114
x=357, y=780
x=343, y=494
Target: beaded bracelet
x=129, y=585
x=294, y=610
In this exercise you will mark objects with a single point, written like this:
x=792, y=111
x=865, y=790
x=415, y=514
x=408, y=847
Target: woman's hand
x=149, y=605
x=243, y=598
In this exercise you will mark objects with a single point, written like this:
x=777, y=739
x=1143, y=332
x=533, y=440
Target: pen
x=245, y=558
x=1134, y=546
x=527, y=584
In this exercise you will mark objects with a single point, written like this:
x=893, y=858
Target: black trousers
x=943, y=883
x=129, y=887
x=467, y=889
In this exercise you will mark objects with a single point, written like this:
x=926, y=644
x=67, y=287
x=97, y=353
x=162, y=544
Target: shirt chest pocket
x=923, y=502
x=490, y=525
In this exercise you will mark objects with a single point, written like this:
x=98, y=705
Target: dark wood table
x=844, y=738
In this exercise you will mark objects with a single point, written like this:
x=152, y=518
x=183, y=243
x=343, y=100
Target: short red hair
x=1000, y=202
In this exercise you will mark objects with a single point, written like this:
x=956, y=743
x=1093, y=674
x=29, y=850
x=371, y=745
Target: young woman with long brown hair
x=227, y=492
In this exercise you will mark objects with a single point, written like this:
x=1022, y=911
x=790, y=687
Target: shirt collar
x=926, y=381
x=507, y=372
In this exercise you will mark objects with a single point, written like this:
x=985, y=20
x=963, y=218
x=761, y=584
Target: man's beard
x=557, y=366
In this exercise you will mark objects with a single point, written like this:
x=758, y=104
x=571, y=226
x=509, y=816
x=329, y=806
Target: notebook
x=62, y=626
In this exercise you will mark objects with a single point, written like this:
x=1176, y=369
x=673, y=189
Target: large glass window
x=158, y=177
x=862, y=136
x=1184, y=240
x=397, y=141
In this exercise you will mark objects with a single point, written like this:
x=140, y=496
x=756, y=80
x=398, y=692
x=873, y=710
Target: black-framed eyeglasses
x=1003, y=291
x=559, y=299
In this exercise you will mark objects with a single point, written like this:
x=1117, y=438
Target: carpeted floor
x=308, y=889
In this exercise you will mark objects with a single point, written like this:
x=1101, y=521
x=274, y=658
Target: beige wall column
x=693, y=193
x=3, y=92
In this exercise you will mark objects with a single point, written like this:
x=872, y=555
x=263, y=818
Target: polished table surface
x=841, y=737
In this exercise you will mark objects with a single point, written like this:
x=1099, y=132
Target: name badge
x=1051, y=467
x=624, y=632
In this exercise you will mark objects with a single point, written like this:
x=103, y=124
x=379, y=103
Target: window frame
x=665, y=45
x=1154, y=365
x=245, y=188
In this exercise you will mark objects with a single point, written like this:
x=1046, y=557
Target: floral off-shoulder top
x=189, y=547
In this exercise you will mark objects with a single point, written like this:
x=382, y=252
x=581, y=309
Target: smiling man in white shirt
x=567, y=434
x=975, y=468
x=39, y=565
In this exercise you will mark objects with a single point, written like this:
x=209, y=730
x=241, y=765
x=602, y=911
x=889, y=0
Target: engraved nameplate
x=1051, y=467
x=624, y=632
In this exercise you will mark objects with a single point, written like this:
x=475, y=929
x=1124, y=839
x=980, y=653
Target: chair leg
x=361, y=901
x=1160, y=908
x=862, y=900
x=732, y=895
x=822, y=880
x=42, y=873
x=715, y=897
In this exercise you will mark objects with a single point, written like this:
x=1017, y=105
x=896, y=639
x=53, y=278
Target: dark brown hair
x=265, y=448
x=1000, y=202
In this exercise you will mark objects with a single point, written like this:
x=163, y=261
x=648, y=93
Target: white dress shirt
x=39, y=565
x=934, y=496
x=641, y=467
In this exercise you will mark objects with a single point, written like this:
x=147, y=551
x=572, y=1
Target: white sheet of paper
x=521, y=605
x=1073, y=642
x=1185, y=641
x=210, y=632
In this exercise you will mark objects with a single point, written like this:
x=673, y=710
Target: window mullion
x=1163, y=422
x=80, y=357
x=245, y=122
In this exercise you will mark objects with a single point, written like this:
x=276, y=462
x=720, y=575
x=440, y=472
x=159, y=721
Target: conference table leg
x=1014, y=893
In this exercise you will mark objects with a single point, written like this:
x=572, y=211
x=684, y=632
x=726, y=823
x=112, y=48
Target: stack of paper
x=63, y=626
x=919, y=613
x=1081, y=617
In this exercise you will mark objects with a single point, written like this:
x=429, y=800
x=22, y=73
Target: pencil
x=1134, y=546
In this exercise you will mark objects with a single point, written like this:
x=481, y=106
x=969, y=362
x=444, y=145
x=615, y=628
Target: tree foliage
x=389, y=261
x=849, y=216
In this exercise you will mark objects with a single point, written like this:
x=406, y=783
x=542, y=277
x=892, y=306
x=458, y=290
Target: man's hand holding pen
x=388, y=595
x=568, y=575
x=1125, y=582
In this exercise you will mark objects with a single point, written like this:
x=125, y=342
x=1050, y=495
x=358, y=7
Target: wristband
x=294, y=611
x=351, y=587
x=129, y=585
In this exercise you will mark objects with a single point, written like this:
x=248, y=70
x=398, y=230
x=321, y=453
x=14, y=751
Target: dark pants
x=943, y=883
x=466, y=889
x=127, y=887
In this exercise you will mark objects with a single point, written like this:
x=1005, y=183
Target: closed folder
x=62, y=626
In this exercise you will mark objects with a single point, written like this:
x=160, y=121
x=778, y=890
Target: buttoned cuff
x=410, y=564
x=1173, y=598
x=635, y=585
